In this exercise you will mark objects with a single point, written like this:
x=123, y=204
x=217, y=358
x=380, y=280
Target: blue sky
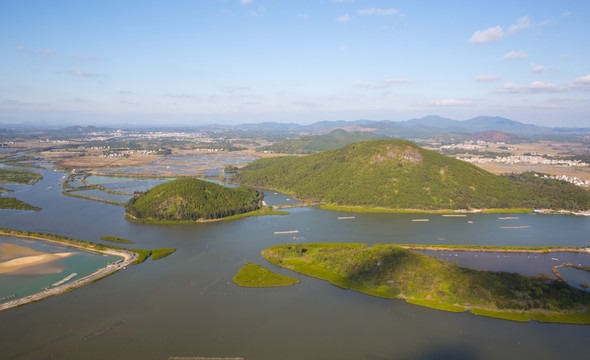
x=239, y=61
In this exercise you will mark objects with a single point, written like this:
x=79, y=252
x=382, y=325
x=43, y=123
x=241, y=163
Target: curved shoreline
x=539, y=315
x=128, y=258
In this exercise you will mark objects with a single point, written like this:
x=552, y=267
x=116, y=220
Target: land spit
x=128, y=258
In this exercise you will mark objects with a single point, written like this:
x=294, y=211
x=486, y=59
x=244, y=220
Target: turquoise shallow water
x=22, y=284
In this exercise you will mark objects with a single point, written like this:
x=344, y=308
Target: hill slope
x=394, y=174
x=316, y=143
x=193, y=199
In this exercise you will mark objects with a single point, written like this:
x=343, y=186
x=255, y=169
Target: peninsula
x=391, y=271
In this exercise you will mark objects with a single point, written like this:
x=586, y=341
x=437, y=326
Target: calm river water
x=186, y=304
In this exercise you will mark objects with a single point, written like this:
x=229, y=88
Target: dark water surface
x=187, y=305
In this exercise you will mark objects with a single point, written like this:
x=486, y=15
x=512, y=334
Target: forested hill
x=399, y=174
x=316, y=143
x=193, y=199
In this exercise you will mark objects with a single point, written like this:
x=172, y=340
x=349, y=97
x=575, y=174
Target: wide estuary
x=186, y=305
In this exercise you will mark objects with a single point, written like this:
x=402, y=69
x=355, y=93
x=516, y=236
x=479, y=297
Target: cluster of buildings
x=471, y=145
x=525, y=159
x=574, y=180
x=54, y=141
x=129, y=152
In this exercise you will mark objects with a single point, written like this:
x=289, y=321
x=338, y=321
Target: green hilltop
x=190, y=199
x=315, y=143
x=398, y=174
x=392, y=272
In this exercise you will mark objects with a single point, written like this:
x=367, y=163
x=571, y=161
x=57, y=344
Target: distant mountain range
x=420, y=127
x=424, y=127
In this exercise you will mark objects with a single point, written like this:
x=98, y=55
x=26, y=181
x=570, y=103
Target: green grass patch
x=505, y=315
x=116, y=240
x=18, y=176
x=162, y=253
x=253, y=275
x=361, y=209
x=507, y=211
x=5, y=190
x=433, y=304
x=570, y=318
x=15, y=204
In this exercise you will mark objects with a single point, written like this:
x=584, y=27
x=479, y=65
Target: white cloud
x=343, y=48
x=494, y=34
x=540, y=86
x=486, y=36
x=360, y=84
x=538, y=68
x=451, y=102
x=514, y=55
x=583, y=80
x=486, y=78
x=343, y=18
x=245, y=2
x=522, y=23
x=511, y=87
x=378, y=11
x=580, y=84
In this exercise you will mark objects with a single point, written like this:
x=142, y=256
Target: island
x=392, y=271
x=401, y=176
x=17, y=176
x=194, y=200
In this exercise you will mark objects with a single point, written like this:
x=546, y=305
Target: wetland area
x=187, y=304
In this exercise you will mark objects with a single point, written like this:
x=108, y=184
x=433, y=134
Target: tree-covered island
x=398, y=174
x=390, y=271
x=191, y=199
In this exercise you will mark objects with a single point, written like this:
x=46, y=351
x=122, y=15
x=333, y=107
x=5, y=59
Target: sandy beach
x=11, y=251
x=21, y=263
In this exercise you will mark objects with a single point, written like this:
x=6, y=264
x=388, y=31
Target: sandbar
x=11, y=251
x=27, y=261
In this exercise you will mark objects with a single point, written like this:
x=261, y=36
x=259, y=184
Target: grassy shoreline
x=299, y=258
x=363, y=209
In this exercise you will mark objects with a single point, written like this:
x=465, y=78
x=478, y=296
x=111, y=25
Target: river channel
x=186, y=305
